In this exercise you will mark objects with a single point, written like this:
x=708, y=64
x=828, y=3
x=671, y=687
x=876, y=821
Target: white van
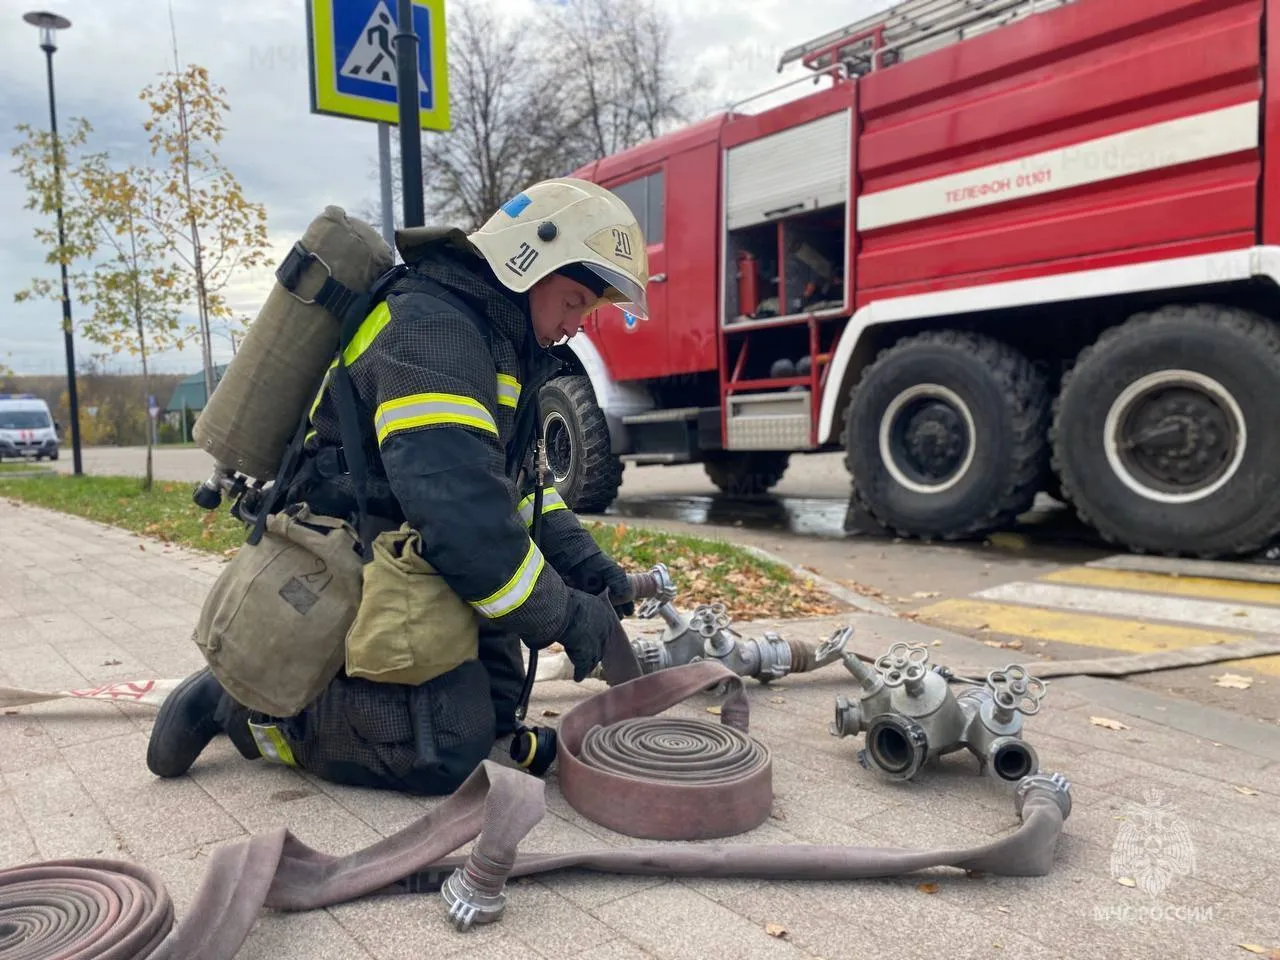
x=27, y=428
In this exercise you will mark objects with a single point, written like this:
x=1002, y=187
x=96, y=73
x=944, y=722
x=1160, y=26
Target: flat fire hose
x=622, y=766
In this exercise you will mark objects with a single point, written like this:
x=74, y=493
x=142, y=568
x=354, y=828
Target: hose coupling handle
x=1054, y=785
x=467, y=905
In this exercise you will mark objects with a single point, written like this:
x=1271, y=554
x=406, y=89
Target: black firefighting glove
x=591, y=618
x=599, y=572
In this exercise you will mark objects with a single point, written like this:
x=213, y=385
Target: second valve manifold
x=910, y=716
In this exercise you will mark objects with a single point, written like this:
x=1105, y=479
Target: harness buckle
x=289, y=273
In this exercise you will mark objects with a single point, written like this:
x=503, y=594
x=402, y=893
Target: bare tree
x=541, y=96
x=616, y=74
x=506, y=120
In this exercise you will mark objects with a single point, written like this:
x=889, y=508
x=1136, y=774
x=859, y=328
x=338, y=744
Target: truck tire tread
x=1027, y=394
x=1246, y=324
x=602, y=471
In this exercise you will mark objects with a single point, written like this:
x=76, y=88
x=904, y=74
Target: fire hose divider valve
x=909, y=716
x=708, y=634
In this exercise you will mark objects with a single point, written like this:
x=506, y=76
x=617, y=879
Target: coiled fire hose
x=534, y=748
x=621, y=765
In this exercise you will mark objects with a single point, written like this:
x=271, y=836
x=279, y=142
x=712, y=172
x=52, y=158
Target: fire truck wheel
x=586, y=474
x=1163, y=432
x=746, y=473
x=946, y=435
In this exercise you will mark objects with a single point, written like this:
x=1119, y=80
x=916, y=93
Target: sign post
x=153, y=410
x=354, y=49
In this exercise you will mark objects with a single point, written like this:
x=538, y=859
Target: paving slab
x=83, y=604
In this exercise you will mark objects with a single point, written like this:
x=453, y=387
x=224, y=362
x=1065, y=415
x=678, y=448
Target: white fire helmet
x=573, y=227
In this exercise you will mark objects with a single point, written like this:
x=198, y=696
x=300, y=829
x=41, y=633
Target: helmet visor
x=623, y=291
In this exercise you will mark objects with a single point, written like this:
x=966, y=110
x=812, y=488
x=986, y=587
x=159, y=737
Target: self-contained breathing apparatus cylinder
x=274, y=376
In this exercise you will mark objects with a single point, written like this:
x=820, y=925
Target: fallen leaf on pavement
x=937, y=643
x=1271, y=953
x=1247, y=791
x=714, y=711
x=1233, y=681
x=775, y=929
x=551, y=713
x=1108, y=723
x=1127, y=882
x=927, y=887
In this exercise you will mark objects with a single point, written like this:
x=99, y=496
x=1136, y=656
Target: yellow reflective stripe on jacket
x=551, y=500
x=369, y=329
x=315, y=404
x=515, y=591
x=272, y=744
x=508, y=390
x=427, y=409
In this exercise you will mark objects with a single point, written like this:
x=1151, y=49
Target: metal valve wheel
x=710, y=618
x=1013, y=688
x=901, y=663
x=833, y=644
x=648, y=609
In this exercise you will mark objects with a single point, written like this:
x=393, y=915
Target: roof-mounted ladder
x=910, y=29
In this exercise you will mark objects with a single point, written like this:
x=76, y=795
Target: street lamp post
x=47, y=23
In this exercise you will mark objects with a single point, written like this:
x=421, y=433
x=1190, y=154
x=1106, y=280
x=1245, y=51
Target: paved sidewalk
x=81, y=604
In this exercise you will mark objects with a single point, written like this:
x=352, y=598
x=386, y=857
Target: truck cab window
x=644, y=196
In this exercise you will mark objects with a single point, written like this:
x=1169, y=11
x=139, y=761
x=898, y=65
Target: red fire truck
x=1007, y=246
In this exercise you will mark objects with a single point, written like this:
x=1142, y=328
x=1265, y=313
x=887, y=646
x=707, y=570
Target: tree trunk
x=202, y=295
x=142, y=350
x=146, y=383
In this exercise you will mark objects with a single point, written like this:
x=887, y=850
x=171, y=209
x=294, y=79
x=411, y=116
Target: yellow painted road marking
x=1086, y=630
x=1230, y=590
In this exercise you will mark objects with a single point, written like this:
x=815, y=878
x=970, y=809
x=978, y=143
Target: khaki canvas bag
x=411, y=627
x=273, y=626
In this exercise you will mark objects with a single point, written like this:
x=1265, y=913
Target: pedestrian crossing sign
x=352, y=54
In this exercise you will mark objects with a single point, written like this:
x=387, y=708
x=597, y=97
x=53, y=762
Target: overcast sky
x=292, y=161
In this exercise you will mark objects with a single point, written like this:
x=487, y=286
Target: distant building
x=189, y=394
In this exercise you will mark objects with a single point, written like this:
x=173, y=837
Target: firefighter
x=446, y=373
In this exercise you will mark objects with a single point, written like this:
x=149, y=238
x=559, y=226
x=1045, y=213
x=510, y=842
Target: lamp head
x=46, y=23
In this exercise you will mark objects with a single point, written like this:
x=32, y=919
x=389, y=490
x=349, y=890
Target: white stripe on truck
x=1215, y=133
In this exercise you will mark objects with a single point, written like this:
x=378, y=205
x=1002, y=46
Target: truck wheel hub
x=926, y=438
x=934, y=440
x=1175, y=436
x=559, y=440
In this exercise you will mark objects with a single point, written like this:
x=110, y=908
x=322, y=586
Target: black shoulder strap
x=352, y=444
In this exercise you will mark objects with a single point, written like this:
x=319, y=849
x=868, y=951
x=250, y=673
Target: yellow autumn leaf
x=1108, y=723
